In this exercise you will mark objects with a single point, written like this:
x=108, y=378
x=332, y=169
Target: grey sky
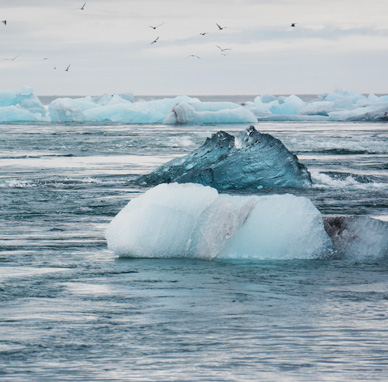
x=335, y=44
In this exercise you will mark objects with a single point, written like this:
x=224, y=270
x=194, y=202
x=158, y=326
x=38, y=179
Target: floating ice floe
x=121, y=108
x=358, y=237
x=209, y=112
x=191, y=220
x=115, y=108
x=22, y=106
x=195, y=221
x=251, y=160
x=339, y=105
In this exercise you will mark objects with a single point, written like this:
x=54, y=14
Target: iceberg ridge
x=251, y=160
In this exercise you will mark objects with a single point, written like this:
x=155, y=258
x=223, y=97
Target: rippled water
x=70, y=310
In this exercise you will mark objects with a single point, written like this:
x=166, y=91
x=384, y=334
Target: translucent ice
x=190, y=220
x=252, y=160
x=115, y=108
x=358, y=237
x=20, y=106
x=209, y=112
x=339, y=105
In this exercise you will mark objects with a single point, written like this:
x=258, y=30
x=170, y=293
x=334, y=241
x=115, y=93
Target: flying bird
x=12, y=59
x=4, y=22
x=222, y=49
x=293, y=25
x=157, y=26
x=83, y=7
x=194, y=56
x=220, y=27
x=67, y=69
x=203, y=33
x=153, y=42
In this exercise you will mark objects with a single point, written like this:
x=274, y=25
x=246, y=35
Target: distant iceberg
x=194, y=221
x=209, y=112
x=251, y=160
x=22, y=106
x=340, y=105
x=114, y=108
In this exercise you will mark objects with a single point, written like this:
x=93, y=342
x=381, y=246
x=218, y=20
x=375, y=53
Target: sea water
x=72, y=311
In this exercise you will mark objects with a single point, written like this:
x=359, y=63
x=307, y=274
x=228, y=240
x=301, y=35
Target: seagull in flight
x=293, y=25
x=222, y=49
x=12, y=59
x=83, y=7
x=153, y=42
x=194, y=56
x=220, y=27
x=203, y=33
x=157, y=26
x=4, y=22
x=67, y=69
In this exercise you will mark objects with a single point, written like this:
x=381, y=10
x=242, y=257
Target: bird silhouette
x=157, y=26
x=83, y=7
x=194, y=56
x=203, y=33
x=222, y=49
x=293, y=25
x=220, y=27
x=153, y=42
x=12, y=59
x=4, y=22
x=67, y=69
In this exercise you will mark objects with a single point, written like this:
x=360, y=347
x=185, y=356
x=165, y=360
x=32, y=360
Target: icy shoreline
x=340, y=105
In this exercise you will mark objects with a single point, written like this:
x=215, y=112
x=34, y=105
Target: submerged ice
x=251, y=160
x=191, y=220
x=339, y=105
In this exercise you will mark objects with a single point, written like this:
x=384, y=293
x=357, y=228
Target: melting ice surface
x=195, y=221
x=120, y=108
x=251, y=160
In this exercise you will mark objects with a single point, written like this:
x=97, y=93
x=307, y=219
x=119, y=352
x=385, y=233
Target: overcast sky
x=335, y=44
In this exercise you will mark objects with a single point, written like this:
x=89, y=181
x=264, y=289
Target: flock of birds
x=222, y=50
x=154, y=27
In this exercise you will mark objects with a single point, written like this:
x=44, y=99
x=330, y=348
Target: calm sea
x=72, y=311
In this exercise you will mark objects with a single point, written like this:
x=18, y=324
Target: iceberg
x=340, y=105
x=115, y=108
x=209, y=112
x=358, y=237
x=251, y=160
x=195, y=221
x=22, y=106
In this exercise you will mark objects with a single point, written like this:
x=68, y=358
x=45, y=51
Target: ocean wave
x=345, y=181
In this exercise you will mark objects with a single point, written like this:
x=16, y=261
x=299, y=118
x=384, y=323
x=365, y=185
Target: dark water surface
x=71, y=311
